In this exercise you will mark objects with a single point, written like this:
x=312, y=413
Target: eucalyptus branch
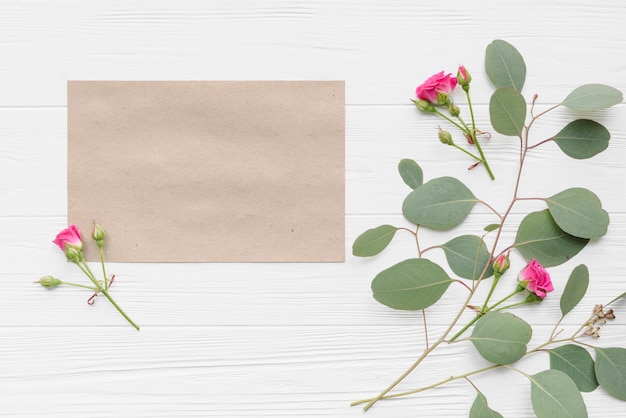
x=434, y=385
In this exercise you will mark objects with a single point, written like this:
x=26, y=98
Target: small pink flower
x=535, y=279
x=436, y=86
x=71, y=236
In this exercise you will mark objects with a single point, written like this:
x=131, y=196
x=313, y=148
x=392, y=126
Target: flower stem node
x=445, y=137
x=49, y=282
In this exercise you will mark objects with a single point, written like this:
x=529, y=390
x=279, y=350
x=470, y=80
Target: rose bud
x=424, y=105
x=98, y=234
x=501, y=264
x=463, y=77
x=49, y=282
x=454, y=110
x=445, y=137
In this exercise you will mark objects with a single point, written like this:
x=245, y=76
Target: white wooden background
x=286, y=340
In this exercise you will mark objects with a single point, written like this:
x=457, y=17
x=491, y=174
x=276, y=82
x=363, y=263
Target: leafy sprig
x=545, y=238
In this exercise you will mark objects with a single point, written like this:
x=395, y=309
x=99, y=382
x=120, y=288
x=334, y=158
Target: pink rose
x=535, y=279
x=431, y=88
x=71, y=236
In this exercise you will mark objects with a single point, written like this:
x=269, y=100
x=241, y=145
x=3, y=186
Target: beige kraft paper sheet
x=209, y=171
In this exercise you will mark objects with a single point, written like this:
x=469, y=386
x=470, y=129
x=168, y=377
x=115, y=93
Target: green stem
x=80, y=285
x=469, y=324
x=473, y=133
x=507, y=297
x=513, y=305
x=82, y=264
x=104, y=273
x=483, y=311
x=467, y=152
x=496, y=279
x=450, y=120
x=119, y=309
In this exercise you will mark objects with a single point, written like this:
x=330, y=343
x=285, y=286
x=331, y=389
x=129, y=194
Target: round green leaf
x=575, y=288
x=480, y=409
x=501, y=338
x=441, y=203
x=579, y=212
x=411, y=284
x=540, y=237
x=576, y=362
x=411, y=173
x=505, y=65
x=592, y=97
x=467, y=256
x=507, y=110
x=373, y=241
x=582, y=139
x=611, y=370
x=554, y=395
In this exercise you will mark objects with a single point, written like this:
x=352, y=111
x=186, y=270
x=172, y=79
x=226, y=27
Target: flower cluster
x=70, y=241
x=435, y=93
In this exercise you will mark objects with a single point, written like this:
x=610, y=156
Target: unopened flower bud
x=424, y=105
x=501, y=264
x=49, y=282
x=442, y=98
x=445, y=137
x=72, y=252
x=463, y=76
x=454, y=110
x=98, y=234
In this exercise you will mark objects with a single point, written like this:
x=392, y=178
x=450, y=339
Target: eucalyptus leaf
x=505, y=65
x=492, y=227
x=507, y=110
x=582, y=139
x=501, y=337
x=480, y=408
x=575, y=288
x=441, y=203
x=467, y=256
x=373, y=241
x=411, y=284
x=576, y=362
x=592, y=97
x=540, y=237
x=611, y=370
x=579, y=212
x=411, y=173
x=554, y=395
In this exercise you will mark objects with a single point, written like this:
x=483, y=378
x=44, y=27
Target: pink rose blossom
x=535, y=279
x=71, y=236
x=438, y=83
